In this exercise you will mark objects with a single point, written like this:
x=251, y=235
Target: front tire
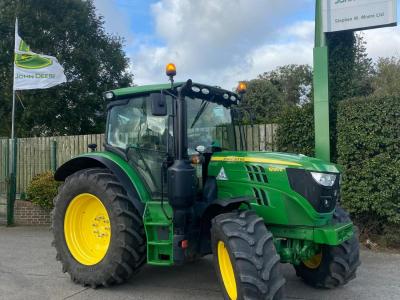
x=245, y=258
x=98, y=234
x=335, y=265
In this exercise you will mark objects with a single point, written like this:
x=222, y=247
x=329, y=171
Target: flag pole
x=13, y=103
x=13, y=153
x=13, y=116
x=12, y=192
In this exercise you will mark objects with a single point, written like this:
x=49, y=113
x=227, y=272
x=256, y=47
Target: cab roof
x=143, y=89
x=214, y=92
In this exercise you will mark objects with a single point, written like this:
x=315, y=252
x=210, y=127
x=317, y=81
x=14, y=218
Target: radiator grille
x=257, y=173
x=261, y=196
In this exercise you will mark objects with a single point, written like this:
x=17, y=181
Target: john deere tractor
x=176, y=183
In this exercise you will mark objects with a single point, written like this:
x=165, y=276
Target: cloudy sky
x=221, y=41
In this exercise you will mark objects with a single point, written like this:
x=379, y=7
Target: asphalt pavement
x=28, y=270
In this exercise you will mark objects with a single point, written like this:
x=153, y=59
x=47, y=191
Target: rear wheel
x=245, y=258
x=334, y=265
x=98, y=234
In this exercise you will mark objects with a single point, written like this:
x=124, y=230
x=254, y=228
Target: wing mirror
x=158, y=105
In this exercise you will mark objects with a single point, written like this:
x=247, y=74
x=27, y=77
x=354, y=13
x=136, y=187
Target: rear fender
x=129, y=178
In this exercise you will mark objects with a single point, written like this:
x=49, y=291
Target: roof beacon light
x=170, y=70
x=242, y=87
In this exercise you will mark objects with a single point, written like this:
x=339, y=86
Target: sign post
x=321, y=88
x=332, y=16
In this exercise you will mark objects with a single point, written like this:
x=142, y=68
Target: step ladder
x=160, y=233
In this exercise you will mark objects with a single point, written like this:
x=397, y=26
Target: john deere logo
x=30, y=61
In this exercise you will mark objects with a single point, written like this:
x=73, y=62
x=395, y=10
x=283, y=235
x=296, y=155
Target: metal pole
x=13, y=103
x=13, y=156
x=13, y=166
x=13, y=117
x=321, y=88
x=12, y=186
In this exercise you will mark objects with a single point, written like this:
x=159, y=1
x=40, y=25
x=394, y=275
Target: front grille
x=261, y=196
x=257, y=173
x=322, y=198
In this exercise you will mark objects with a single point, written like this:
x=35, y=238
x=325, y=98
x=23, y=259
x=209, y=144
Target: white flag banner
x=34, y=71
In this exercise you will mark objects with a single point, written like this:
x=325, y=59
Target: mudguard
x=129, y=178
x=212, y=206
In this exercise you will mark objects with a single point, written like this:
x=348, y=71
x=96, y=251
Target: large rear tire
x=245, y=258
x=98, y=234
x=335, y=265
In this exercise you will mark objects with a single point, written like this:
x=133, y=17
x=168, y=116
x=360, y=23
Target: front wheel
x=245, y=258
x=98, y=234
x=334, y=265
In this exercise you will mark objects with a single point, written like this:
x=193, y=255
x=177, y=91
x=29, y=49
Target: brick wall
x=27, y=213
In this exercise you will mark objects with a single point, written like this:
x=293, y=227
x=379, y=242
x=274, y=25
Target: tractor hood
x=282, y=185
x=276, y=159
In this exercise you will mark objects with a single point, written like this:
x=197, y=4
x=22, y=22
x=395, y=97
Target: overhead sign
x=341, y=15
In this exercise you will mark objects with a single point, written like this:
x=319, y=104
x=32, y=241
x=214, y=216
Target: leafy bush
x=42, y=189
x=296, y=130
x=369, y=150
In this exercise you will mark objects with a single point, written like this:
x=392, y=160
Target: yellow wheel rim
x=226, y=270
x=314, y=262
x=87, y=229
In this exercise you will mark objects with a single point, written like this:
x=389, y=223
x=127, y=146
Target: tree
x=293, y=81
x=263, y=99
x=93, y=61
x=350, y=70
x=350, y=74
x=272, y=91
x=386, y=80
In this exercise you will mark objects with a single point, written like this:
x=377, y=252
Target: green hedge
x=369, y=150
x=296, y=130
x=42, y=189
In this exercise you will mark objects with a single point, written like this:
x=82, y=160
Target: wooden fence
x=34, y=155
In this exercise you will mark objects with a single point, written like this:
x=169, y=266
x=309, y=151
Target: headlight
x=320, y=189
x=324, y=178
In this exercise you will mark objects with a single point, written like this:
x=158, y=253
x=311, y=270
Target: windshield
x=209, y=124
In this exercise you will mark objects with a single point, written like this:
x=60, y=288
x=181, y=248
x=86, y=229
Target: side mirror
x=200, y=149
x=158, y=105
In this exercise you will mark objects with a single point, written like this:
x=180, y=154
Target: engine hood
x=276, y=159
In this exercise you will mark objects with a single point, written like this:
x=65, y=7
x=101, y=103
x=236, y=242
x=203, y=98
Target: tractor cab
x=143, y=126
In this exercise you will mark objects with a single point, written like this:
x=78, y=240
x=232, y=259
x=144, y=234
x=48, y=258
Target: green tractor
x=176, y=183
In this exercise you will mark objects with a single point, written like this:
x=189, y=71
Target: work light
x=108, y=95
